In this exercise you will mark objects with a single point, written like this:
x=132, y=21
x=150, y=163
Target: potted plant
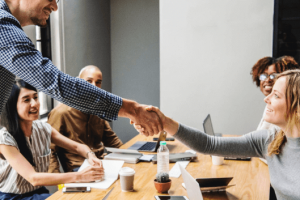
x=162, y=182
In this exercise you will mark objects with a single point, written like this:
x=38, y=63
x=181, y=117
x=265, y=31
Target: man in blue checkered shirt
x=18, y=57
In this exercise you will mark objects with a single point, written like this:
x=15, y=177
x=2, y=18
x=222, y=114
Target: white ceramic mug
x=216, y=160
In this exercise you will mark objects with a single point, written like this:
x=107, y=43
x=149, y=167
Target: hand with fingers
x=95, y=162
x=90, y=174
x=148, y=120
x=169, y=125
x=138, y=114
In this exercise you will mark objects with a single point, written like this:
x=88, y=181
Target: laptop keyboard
x=148, y=146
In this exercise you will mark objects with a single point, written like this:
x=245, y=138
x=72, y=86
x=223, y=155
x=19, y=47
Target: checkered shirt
x=18, y=57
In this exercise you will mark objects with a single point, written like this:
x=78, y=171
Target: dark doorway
x=287, y=29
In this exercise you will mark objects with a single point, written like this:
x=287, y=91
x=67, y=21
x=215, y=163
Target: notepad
x=111, y=169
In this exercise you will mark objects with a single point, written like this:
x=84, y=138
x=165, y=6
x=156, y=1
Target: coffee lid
x=126, y=171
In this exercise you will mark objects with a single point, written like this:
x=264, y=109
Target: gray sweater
x=284, y=169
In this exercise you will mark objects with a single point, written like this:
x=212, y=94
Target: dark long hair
x=10, y=119
x=282, y=64
x=259, y=67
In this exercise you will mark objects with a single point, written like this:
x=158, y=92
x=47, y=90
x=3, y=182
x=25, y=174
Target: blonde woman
x=280, y=148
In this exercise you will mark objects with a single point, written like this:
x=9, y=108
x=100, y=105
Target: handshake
x=149, y=120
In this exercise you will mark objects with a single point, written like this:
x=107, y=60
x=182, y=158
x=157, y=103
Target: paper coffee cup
x=126, y=179
x=216, y=160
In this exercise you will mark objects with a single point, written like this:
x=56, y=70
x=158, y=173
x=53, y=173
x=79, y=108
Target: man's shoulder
x=10, y=29
x=5, y=14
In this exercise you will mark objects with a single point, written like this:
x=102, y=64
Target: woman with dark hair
x=280, y=148
x=263, y=74
x=25, y=149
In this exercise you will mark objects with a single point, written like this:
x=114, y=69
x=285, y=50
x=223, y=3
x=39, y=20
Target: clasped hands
x=149, y=120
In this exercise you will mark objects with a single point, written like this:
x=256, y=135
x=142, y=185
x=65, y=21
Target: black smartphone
x=76, y=189
x=170, y=198
x=167, y=139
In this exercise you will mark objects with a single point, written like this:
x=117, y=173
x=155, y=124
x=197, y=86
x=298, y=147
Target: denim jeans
x=39, y=194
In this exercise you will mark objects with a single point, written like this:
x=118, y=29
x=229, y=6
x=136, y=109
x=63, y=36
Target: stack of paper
x=111, y=170
x=127, y=155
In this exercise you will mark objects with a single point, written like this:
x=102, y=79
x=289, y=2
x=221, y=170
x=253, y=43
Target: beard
x=39, y=22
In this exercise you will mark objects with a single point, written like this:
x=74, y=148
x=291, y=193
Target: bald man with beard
x=80, y=127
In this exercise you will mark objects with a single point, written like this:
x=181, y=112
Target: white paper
x=175, y=171
x=111, y=173
x=146, y=157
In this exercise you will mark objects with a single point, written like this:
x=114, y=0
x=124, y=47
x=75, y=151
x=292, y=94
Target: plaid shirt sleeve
x=19, y=57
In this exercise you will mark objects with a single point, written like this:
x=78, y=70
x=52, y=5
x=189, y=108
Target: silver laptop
x=191, y=185
x=208, y=129
x=149, y=146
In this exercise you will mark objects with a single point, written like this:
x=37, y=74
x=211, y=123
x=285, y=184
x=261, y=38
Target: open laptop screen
x=207, y=126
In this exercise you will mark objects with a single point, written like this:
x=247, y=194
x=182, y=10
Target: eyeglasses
x=263, y=77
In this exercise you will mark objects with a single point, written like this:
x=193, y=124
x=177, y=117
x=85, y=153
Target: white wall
x=207, y=49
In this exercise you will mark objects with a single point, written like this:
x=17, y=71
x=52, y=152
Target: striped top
x=39, y=143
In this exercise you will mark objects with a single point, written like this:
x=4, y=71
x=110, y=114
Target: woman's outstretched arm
x=250, y=145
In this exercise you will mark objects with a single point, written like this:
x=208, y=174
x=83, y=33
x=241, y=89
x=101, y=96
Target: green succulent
x=162, y=177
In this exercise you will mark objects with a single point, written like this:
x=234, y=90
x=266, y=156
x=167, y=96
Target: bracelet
x=87, y=154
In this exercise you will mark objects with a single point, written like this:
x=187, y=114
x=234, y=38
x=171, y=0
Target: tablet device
x=171, y=198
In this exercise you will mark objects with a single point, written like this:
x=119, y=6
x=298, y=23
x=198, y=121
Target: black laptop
x=149, y=146
x=208, y=129
x=214, y=184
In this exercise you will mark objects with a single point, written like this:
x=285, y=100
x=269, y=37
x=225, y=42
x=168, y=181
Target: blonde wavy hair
x=292, y=95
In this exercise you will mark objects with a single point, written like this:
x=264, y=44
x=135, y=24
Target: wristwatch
x=87, y=154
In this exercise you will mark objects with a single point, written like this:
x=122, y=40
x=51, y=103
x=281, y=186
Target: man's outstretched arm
x=138, y=114
x=19, y=57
